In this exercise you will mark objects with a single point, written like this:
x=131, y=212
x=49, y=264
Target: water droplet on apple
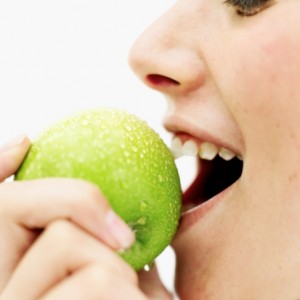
x=143, y=205
x=142, y=221
x=84, y=123
x=127, y=127
x=148, y=267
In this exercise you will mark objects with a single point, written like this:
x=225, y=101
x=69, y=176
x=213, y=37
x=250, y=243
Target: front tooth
x=190, y=148
x=176, y=147
x=226, y=154
x=208, y=151
x=240, y=157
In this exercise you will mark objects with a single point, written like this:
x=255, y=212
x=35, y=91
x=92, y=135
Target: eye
x=248, y=7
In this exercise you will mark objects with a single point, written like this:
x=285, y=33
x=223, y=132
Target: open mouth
x=212, y=178
x=215, y=171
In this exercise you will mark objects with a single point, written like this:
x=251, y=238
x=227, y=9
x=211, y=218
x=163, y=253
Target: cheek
x=263, y=93
x=263, y=86
x=265, y=73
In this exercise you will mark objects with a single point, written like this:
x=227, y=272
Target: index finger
x=34, y=204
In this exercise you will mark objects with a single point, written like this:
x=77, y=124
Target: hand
x=56, y=237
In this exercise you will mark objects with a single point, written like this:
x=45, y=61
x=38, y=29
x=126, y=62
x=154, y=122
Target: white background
x=61, y=56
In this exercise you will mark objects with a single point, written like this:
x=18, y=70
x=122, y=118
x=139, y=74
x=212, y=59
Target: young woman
x=230, y=72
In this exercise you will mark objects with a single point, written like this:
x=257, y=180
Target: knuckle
x=59, y=236
x=86, y=193
x=91, y=191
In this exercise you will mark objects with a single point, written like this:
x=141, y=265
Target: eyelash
x=248, y=7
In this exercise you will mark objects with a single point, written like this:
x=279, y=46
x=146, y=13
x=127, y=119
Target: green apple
x=127, y=160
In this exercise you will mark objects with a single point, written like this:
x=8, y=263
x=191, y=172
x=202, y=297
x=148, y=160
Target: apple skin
x=129, y=163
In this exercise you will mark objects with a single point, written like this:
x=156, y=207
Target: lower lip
x=193, y=215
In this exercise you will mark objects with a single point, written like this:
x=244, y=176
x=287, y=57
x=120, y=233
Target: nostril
x=160, y=80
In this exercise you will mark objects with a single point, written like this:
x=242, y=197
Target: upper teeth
x=205, y=150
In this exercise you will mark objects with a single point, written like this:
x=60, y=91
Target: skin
x=233, y=77
x=236, y=78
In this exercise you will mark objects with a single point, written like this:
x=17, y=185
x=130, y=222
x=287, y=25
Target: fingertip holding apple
x=127, y=160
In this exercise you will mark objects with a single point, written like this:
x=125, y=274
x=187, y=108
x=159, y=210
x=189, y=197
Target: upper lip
x=179, y=124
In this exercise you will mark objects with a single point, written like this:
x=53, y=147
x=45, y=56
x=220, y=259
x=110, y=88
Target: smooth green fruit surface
x=130, y=164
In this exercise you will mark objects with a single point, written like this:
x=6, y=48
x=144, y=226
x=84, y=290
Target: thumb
x=151, y=285
x=12, y=154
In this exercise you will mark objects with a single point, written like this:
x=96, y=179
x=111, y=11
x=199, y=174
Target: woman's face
x=232, y=78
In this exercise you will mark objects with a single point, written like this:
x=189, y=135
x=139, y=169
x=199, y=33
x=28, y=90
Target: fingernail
x=13, y=143
x=119, y=230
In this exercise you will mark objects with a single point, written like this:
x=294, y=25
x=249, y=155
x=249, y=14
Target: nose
x=164, y=56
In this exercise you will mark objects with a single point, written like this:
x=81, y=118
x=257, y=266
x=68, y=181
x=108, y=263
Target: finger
x=11, y=156
x=28, y=206
x=34, y=204
x=151, y=285
x=63, y=249
x=95, y=282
